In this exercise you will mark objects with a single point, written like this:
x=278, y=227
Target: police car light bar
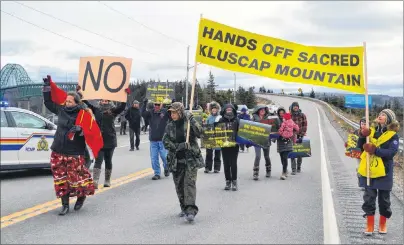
x=3, y=104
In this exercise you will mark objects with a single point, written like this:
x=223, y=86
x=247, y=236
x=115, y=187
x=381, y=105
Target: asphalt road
x=269, y=211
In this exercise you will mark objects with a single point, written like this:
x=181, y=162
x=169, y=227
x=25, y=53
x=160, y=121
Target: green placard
x=254, y=132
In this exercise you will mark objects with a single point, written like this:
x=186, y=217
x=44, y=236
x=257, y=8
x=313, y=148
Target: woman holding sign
x=261, y=113
x=230, y=154
x=383, y=146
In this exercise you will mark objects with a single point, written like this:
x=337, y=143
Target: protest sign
x=220, y=135
x=357, y=101
x=104, y=77
x=237, y=50
x=255, y=133
x=159, y=91
x=197, y=116
x=301, y=150
x=350, y=149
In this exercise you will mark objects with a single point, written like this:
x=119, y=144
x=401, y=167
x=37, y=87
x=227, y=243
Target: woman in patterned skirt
x=71, y=177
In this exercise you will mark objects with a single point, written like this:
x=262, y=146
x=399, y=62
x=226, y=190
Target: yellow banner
x=241, y=51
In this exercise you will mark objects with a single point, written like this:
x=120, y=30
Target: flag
x=58, y=95
x=91, y=131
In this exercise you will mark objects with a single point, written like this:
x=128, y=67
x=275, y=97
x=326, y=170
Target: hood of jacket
x=258, y=108
x=228, y=106
x=280, y=109
x=214, y=104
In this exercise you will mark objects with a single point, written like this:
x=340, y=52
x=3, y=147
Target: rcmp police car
x=25, y=140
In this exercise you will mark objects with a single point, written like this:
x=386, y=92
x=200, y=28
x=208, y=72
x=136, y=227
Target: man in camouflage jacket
x=184, y=159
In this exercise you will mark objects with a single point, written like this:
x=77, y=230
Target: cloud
x=155, y=55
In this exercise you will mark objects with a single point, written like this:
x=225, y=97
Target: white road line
x=331, y=233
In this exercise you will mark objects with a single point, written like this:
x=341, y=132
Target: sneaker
x=255, y=177
x=234, y=186
x=181, y=214
x=293, y=171
x=268, y=175
x=206, y=171
x=137, y=147
x=131, y=149
x=216, y=171
x=299, y=170
x=228, y=185
x=283, y=176
x=156, y=177
x=166, y=172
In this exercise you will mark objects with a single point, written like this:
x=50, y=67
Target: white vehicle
x=273, y=109
x=25, y=140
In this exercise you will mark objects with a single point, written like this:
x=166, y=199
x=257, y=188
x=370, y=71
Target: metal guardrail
x=351, y=123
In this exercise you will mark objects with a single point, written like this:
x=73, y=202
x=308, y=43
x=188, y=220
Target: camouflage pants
x=185, y=185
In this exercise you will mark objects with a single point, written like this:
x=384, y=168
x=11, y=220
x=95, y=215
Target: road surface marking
x=331, y=233
x=51, y=205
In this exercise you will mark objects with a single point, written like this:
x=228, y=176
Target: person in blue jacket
x=243, y=115
x=381, y=187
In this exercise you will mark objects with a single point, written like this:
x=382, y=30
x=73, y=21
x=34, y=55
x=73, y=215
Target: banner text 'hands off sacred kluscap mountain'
x=241, y=51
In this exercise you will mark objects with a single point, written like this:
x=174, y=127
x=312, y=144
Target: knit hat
x=294, y=104
x=390, y=115
x=135, y=102
x=177, y=107
x=287, y=116
x=76, y=96
x=243, y=109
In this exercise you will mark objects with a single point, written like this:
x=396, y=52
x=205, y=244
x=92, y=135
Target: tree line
x=203, y=94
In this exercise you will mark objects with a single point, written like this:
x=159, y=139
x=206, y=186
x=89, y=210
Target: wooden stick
x=191, y=103
x=365, y=74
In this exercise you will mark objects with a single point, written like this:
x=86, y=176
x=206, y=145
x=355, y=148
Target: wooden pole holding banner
x=365, y=74
x=191, y=102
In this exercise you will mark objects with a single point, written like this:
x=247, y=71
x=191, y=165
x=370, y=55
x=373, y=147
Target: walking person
x=243, y=115
x=158, y=122
x=300, y=119
x=261, y=112
x=134, y=117
x=70, y=176
x=383, y=146
x=184, y=159
x=230, y=154
x=105, y=115
x=213, y=118
x=284, y=145
x=146, y=114
x=123, y=122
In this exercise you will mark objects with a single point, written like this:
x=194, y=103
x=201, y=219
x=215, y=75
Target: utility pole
x=186, y=82
x=234, y=87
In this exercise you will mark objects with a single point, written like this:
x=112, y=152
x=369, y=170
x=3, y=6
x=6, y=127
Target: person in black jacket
x=105, y=116
x=71, y=178
x=230, y=154
x=133, y=116
x=145, y=112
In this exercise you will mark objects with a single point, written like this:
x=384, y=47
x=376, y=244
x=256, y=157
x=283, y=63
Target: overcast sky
x=161, y=52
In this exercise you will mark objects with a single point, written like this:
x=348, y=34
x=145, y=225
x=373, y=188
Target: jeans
x=156, y=149
x=132, y=134
x=258, y=159
x=107, y=155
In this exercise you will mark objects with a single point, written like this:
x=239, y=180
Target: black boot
x=79, y=203
x=228, y=185
x=65, y=205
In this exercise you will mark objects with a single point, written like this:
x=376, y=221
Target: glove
x=365, y=132
x=183, y=146
x=47, y=80
x=370, y=148
x=127, y=90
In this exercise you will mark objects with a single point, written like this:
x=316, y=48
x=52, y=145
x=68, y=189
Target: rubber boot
x=79, y=203
x=382, y=225
x=65, y=205
x=234, y=186
x=108, y=173
x=96, y=176
x=228, y=185
x=370, y=226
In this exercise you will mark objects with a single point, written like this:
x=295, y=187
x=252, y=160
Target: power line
x=145, y=26
x=84, y=29
x=56, y=33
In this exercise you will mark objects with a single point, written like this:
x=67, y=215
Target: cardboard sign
x=104, y=77
x=220, y=135
x=159, y=91
x=255, y=133
x=301, y=150
x=197, y=116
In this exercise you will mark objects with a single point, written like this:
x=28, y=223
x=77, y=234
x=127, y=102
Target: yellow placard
x=241, y=51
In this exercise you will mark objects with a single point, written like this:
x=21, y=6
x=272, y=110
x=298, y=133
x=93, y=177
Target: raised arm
x=118, y=110
x=47, y=97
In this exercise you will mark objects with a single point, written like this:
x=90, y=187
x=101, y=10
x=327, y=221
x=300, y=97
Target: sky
x=156, y=35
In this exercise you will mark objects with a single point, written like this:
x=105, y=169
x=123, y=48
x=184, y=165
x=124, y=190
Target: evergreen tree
x=211, y=87
x=312, y=94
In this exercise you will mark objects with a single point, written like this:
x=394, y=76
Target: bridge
x=16, y=85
